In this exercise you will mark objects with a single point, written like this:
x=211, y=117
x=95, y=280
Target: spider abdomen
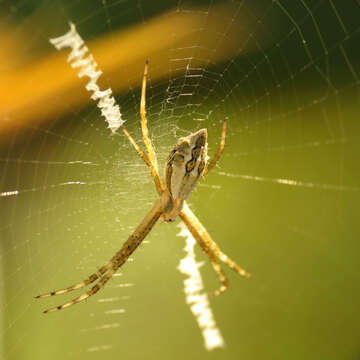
x=186, y=164
x=184, y=167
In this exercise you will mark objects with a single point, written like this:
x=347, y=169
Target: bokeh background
x=283, y=201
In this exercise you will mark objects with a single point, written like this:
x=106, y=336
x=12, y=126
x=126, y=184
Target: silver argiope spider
x=186, y=164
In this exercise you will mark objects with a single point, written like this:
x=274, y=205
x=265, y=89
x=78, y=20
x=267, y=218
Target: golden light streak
x=47, y=88
x=9, y=193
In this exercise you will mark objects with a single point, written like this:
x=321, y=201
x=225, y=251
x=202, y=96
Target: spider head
x=184, y=167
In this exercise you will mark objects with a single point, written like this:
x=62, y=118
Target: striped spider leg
x=186, y=164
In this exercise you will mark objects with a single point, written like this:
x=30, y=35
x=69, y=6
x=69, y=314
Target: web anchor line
x=87, y=67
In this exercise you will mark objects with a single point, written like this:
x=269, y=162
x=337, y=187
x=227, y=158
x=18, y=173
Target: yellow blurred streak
x=48, y=88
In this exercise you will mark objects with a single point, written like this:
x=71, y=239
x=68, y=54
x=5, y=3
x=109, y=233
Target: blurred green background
x=283, y=201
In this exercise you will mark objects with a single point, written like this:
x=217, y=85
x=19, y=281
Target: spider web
x=283, y=201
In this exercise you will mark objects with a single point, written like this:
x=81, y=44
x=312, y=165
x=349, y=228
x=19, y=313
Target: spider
x=186, y=164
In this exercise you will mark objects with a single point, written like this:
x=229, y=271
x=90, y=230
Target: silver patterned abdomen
x=184, y=167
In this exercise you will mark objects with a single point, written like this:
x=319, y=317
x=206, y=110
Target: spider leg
x=81, y=284
x=217, y=268
x=89, y=293
x=154, y=168
x=117, y=260
x=220, y=150
x=205, y=247
x=136, y=146
x=209, y=246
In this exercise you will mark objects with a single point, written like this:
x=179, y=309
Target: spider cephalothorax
x=186, y=164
